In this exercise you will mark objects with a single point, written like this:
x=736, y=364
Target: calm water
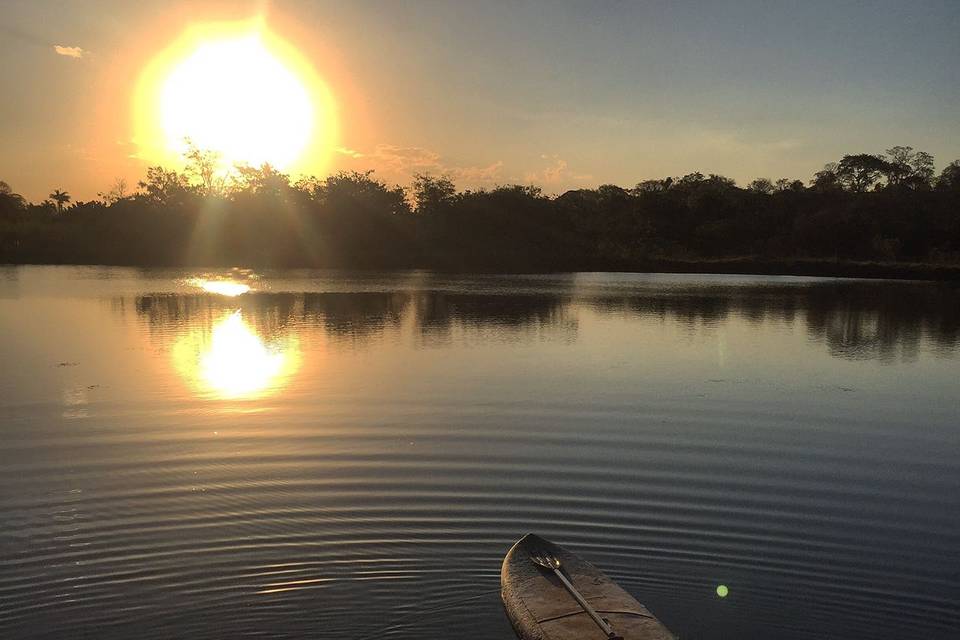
x=350, y=455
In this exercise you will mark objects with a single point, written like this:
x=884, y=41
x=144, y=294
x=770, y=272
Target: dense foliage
x=889, y=208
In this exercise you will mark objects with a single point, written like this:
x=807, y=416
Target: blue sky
x=565, y=94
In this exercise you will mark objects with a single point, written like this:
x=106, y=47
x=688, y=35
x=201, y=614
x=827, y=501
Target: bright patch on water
x=233, y=361
x=224, y=287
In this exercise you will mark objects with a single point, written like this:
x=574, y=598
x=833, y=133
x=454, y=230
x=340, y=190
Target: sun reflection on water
x=224, y=287
x=232, y=361
x=230, y=287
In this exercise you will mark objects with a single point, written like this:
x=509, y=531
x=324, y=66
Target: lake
x=304, y=454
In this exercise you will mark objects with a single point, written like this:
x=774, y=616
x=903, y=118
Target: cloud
x=556, y=173
x=70, y=52
x=735, y=141
x=407, y=159
x=402, y=163
x=348, y=152
x=477, y=175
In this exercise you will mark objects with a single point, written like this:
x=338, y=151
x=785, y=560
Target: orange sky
x=555, y=94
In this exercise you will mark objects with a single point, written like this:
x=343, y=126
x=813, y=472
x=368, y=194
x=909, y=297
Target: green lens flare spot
x=722, y=590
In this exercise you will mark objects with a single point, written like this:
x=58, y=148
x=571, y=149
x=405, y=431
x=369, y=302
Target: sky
x=560, y=94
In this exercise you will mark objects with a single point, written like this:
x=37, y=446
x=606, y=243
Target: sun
x=235, y=97
x=237, y=90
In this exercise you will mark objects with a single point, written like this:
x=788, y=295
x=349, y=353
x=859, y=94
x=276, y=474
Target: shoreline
x=811, y=267
x=801, y=267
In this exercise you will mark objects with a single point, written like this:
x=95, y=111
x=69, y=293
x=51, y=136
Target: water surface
x=342, y=455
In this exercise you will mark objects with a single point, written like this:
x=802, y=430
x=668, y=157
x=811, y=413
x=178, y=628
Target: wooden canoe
x=541, y=608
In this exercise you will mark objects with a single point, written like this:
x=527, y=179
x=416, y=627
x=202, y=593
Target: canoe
x=541, y=608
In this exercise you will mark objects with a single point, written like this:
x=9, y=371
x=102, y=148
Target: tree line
x=884, y=208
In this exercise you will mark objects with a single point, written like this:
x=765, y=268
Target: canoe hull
x=540, y=608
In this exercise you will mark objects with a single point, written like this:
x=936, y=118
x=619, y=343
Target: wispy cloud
x=736, y=141
x=556, y=173
x=70, y=52
x=402, y=163
x=27, y=37
x=478, y=175
x=352, y=153
x=23, y=36
x=407, y=159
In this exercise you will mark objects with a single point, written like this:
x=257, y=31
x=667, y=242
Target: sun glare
x=223, y=287
x=239, y=91
x=237, y=363
x=233, y=362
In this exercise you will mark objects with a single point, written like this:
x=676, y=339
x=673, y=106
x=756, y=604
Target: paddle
x=549, y=561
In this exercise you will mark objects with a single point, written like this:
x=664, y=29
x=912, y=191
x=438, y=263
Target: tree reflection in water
x=248, y=345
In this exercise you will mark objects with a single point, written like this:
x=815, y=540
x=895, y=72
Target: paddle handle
x=607, y=629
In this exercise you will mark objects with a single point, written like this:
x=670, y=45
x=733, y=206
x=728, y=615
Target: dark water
x=350, y=456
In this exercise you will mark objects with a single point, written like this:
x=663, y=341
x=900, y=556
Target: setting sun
x=237, y=90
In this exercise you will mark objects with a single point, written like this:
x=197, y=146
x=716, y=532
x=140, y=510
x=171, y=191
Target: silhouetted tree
x=950, y=177
x=905, y=167
x=432, y=194
x=11, y=204
x=203, y=164
x=653, y=186
x=166, y=188
x=861, y=171
x=117, y=192
x=361, y=192
x=263, y=179
x=61, y=198
x=826, y=179
x=363, y=221
x=761, y=185
x=7, y=194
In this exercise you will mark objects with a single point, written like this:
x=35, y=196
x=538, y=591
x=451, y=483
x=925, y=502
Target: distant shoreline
x=801, y=267
x=854, y=220
x=810, y=267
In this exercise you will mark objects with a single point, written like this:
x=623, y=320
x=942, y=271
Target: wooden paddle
x=549, y=561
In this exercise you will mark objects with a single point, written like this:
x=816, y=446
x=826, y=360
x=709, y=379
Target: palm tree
x=60, y=197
